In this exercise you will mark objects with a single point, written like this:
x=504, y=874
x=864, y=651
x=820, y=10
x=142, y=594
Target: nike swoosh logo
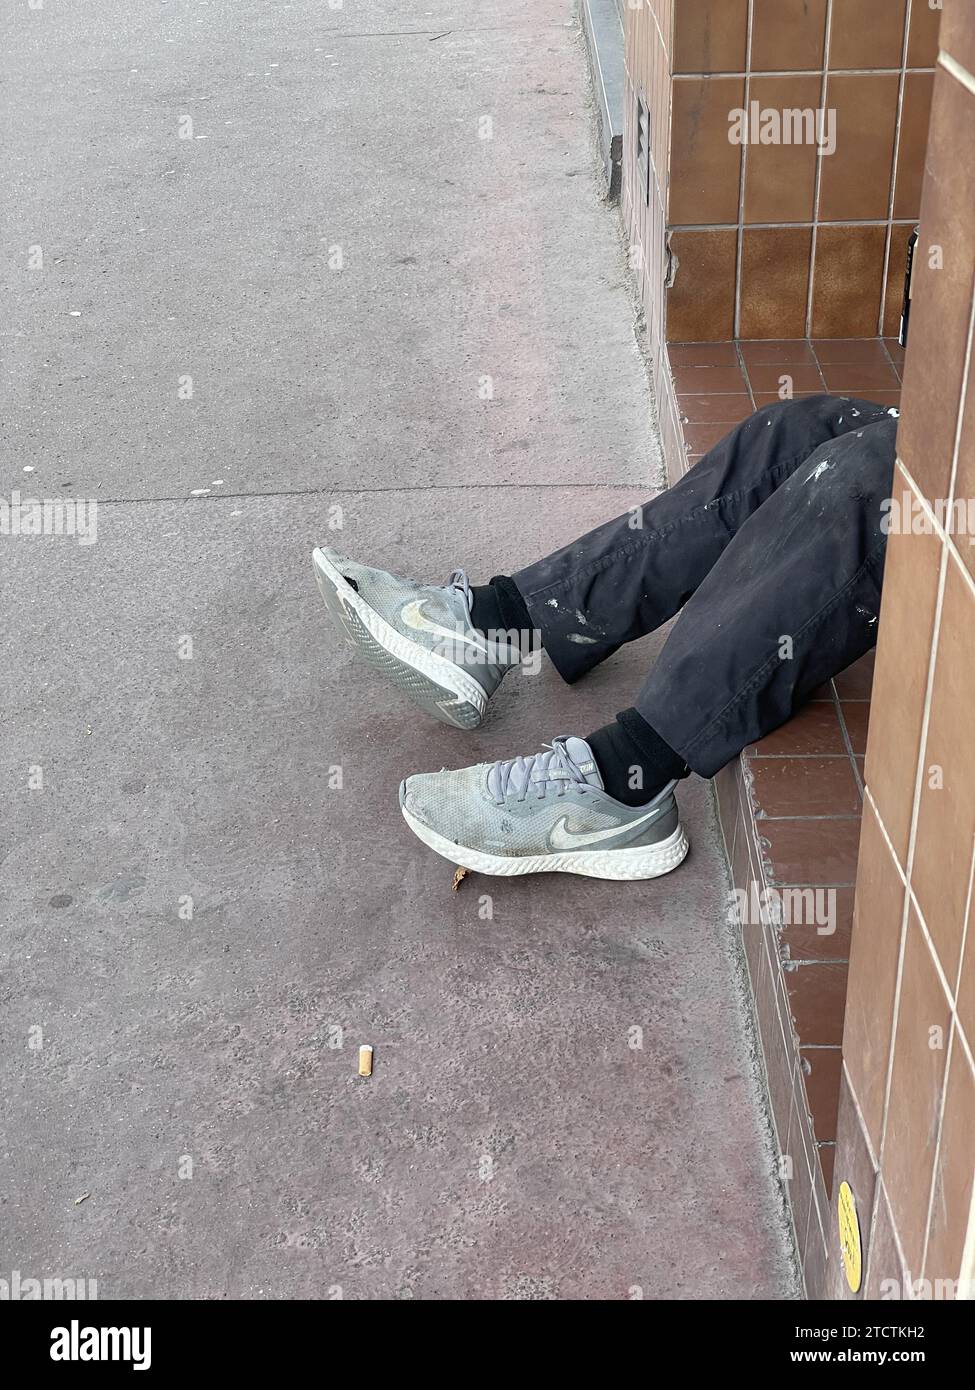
x=564, y=838
x=414, y=617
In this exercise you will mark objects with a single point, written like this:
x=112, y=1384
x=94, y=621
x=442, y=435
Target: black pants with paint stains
x=771, y=548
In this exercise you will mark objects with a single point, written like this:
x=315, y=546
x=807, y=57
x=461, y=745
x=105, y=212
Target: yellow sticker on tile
x=849, y=1236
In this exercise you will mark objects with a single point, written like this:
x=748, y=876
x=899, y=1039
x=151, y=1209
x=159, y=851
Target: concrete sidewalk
x=465, y=389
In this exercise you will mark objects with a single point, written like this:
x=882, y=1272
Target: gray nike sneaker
x=419, y=635
x=543, y=814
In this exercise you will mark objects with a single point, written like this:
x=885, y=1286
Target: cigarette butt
x=365, y=1060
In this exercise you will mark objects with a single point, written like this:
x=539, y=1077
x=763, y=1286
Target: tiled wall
x=774, y=240
x=906, y=1137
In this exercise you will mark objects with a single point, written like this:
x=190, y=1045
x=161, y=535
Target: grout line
x=801, y=226
x=742, y=175
x=861, y=1119
x=893, y=168
x=814, y=239
x=743, y=368
x=802, y=72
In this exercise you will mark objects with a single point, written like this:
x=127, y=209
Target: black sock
x=633, y=760
x=499, y=607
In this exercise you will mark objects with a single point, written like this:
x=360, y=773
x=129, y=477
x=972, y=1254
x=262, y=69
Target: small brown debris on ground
x=365, y=1060
x=459, y=876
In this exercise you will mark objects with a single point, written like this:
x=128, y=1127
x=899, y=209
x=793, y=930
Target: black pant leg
x=628, y=576
x=793, y=600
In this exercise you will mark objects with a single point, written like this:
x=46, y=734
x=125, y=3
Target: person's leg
x=632, y=574
x=790, y=603
x=792, y=600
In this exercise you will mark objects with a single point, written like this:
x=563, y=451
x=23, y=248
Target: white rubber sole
x=437, y=685
x=642, y=861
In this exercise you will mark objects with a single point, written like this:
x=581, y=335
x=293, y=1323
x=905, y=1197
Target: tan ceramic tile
x=701, y=303
x=920, y=1053
x=946, y=816
x=855, y=179
x=867, y=33
x=901, y=671
x=958, y=35
x=922, y=49
x=710, y=37
x=848, y=281
x=953, y=1174
x=854, y=1166
x=873, y=973
x=705, y=166
x=780, y=179
x=788, y=35
x=942, y=294
x=915, y=118
x=962, y=522
x=774, y=281
x=885, y=1277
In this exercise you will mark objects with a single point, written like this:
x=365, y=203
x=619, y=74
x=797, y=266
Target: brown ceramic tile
x=856, y=717
x=702, y=437
x=819, y=1069
x=774, y=280
x=780, y=179
x=850, y=351
x=852, y=1165
x=942, y=296
x=775, y=351
x=874, y=952
x=827, y=938
x=855, y=180
x=817, y=998
x=710, y=37
x=788, y=35
x=867, y=33
x=817, y=852
x=894, y=291
x=885, y=1277
x=705, y=166
x=946, y=816
x=814, y=730
x=856, y=682
x=724, y=409
x=851, y=379
x=922, y=47
x=958, y=35
x=849, y=275
x=702, y=354
x=765, y=398
x=799, y=377
x=699, y=381
x=891, y=398
x=953, y=1173
x=803, y=787
x=920, y=1052
x=915, y=117
x=701, y=303
x=903, y=646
